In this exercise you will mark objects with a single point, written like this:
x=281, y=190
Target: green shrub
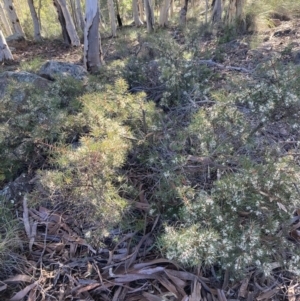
x=84, y=175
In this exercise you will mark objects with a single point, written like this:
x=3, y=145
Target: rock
x=53, y=69
x=15, y=37
x=9, y=79
x=15, y=190
x=296, y=57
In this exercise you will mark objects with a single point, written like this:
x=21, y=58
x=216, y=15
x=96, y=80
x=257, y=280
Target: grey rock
x=15, y=190
x=53, y=69
x=10, y=79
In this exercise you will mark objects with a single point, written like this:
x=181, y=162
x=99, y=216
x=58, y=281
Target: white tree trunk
x=149, y=15
x=80, y=15
x=164, y=13
x=69, y=23
x=5, y=54
x=141, y=10
x=74, y=15
x=36, y=24
x=12, y=15
x=4, y=21
x=92, y=42
x=171, y=11
x=216, y=16
x=135, y=10
x=112, y=17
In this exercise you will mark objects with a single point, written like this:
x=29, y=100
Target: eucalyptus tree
x=216, y=15
x=13, y=18
x=135, y=12
x=5, y=53
x=4, y=21
x=112, y=17
x=36, y=23
x=92, y=57
x=66, y=22
x=149, y=15
x=164, y=13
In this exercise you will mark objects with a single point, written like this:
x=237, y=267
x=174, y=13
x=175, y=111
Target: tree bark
x=141, y=10
x=164, y=13
x=80, y=15
x=69, y=23
x=92, y=43
x=183, y=13
x=12, y=15
x=5, y=54
x=135, y=10
x=62, y=22
x=216, y=16
x=36, y=24
x=119, y=19
x=112, y=17
x=149, y=15
x=4, y=21
x=74, y=15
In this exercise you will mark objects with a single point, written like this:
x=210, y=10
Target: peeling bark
x=135, y=10
x=93, y=59
x=5, y=54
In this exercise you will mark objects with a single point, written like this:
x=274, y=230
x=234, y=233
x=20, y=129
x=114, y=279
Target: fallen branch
x=211, y=63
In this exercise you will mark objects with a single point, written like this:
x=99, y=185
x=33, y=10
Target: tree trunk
x=171, y=12
x=4, y=21
x=149, y=15
x=92, y=42
x=80, y=15
x=216, y=16
x=135, y=10
x=69, y=23
x=36, y=24
x=141, y=10
x=182, y=14
x=62, y=22
x=74, y=15
x=5, y=54
x=112, y=17
x=240, y=9
x=164, y=13
x=12, y=15
x=119, y=19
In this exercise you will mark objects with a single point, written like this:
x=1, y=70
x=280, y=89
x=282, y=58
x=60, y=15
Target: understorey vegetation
x=170, y=142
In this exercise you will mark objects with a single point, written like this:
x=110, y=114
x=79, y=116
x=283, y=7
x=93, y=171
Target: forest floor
x=74, y=261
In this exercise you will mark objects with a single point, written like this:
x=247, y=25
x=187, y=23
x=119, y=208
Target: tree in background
x=14, y=20
x=164, y=13
x=36, y=24
x=216, y=15
x=4, y=21
x=68, y=22
x=112, y=17
x=5, y=54
x=92, y=42
x=149, y=15
x=135, y=11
